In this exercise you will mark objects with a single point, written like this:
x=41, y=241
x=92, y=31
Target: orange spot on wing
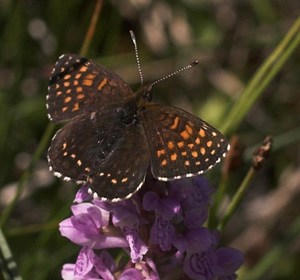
x=83, y=69
x=164, y=162
x=87, y=82
x=174, y=157
x=185, y=135
x=189, y=129
x=76, y=107
x=194, y=154
x=202, y=151
x=191, y=145
x=160, y=152
x=80, y=96
x=202, y=133
x=67, y=99
x=180, y=144
x=171, y=145
x=79, y=89
x=209, y=143
x=102, y=84
x=64, y=109
x=175, y=123
x=197, y=141
x=68, y=76
x=90, y=76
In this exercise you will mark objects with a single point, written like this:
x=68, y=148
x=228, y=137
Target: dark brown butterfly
x=113, y=134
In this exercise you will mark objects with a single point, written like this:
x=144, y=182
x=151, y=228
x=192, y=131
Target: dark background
x=230, y=38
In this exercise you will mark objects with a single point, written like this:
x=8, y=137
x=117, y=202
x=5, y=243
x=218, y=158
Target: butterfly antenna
x=194, y=63
x=137, y=56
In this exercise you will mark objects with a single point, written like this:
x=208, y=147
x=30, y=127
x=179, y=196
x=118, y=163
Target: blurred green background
x=230, y=38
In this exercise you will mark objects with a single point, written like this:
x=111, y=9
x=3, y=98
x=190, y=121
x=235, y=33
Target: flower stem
x=90, y=33
x=236, y=199
x=221, y=190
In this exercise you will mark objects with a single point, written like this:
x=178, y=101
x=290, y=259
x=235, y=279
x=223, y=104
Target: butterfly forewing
x=181, y=144
x=82, y=145
x=78, y=85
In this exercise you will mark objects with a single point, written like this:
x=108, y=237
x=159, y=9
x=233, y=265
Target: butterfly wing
x=124, y=172
x=109, y=154
x=181, y=144
x=78, y=85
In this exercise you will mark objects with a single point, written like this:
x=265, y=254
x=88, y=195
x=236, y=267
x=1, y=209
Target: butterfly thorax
x=130, y=110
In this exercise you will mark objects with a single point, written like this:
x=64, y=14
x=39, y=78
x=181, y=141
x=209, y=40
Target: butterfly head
x=145, y=93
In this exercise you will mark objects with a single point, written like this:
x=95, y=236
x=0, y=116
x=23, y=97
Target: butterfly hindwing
x=181, y=144
x=78, y=85
x=101, y=149
x=124, y=172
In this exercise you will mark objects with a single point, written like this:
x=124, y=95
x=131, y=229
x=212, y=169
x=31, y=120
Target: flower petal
x=229, y=260
x=83, y=264
x=201, y=265
x=131, y=274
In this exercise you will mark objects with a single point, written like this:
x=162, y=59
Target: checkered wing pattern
x=112, y=156
x=78, y=85
x=181, y=144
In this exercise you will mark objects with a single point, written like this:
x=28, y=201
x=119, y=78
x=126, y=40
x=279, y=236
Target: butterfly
x=113, y=135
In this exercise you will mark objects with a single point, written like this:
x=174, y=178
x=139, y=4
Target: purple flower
x=193, y=192
x=88, y=226
x=128, y=221
x=162, y=231
x=203, y=261
x=194, y=195
x=83, y=194
x=91, y=266
x=131, y=274
x=213, y=264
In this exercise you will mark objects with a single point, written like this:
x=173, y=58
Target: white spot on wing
x=95, y=195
